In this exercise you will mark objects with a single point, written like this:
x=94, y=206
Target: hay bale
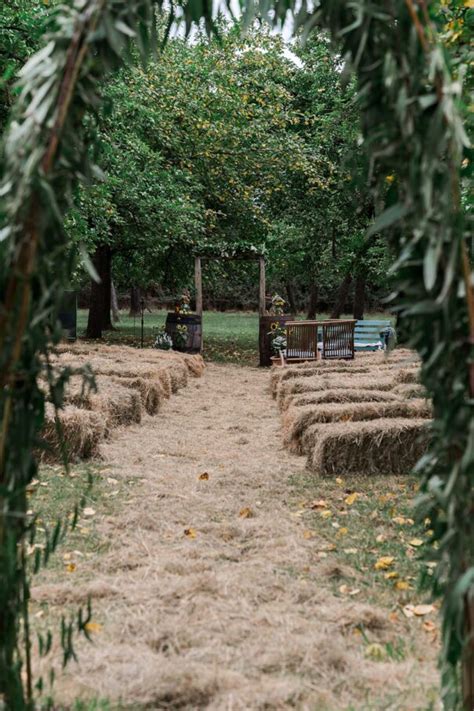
x=401, y=357
x=351, y=395
x=332, y=382
x=378, y=447
x=103, y=366
x=151, y=392
x=120, y=405
x=299, y=419
x=408, y=375
x=81, y=430
x=410, y=390
x=128, y=354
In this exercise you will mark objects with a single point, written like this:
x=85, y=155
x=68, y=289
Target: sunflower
x=274, y=326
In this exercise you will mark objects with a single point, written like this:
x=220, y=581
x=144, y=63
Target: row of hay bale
x=366, y=416
x=129, y=382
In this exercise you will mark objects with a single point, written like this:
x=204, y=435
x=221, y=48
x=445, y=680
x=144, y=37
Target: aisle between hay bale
x=219, y=587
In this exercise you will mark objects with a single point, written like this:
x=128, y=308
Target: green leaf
x=392, y=215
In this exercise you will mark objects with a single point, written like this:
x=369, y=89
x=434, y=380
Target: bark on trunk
x=290, y=293
x=99, y=306
x=135, y=295
x=359, y=297
x=313, y=302
x=341, y=298
x=114, y=304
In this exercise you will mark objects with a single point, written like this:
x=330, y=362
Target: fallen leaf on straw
x=384, y=562
x=416, y=542
x=352, y=498
x=402, y=585
x=190, y=533
x=203, y=477
x=246, y=512
x=417, y=610
x=376, y=652
x=93, y=627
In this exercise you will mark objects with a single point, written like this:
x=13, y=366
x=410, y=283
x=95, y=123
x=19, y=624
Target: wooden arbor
x=247, y=256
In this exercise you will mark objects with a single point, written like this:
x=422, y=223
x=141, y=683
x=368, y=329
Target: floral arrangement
x=183, y=306
x=181, y=335
x=278, y=337
x=278, y=305
x=163, y=340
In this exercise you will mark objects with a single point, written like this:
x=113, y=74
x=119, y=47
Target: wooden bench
x=309, y=340
x=367, y=335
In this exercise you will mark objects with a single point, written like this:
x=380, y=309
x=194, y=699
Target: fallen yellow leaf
x=402, y=585
x=190, y=533
x=71, y=567
x=376, y=652
x=308, y=534
x=93, y=627
x=339, y=481
x=416, y=542
x=342, y=532
x=246, y=512
x=352, y=498
x=384, y=562
x=418, y=610
x=326, y=514
x=400, y=520
x=204, y=476
x=391, y=576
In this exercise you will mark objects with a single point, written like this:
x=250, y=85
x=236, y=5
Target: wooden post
x=261, y=298
x=198, y=285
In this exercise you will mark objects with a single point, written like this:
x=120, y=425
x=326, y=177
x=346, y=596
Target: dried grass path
x=235, y=617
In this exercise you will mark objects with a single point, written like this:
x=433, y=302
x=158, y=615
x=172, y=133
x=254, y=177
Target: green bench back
x=369, y=331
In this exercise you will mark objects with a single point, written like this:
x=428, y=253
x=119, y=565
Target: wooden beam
x=261, y=298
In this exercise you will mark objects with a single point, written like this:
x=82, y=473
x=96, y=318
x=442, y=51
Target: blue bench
x=367, y=335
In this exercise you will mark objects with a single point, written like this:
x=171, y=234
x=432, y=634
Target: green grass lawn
x=229, y=337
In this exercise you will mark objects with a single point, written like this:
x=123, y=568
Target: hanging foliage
x=413, y=130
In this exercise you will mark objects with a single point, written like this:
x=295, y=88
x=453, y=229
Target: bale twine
x=378, y=447
x=299, y=419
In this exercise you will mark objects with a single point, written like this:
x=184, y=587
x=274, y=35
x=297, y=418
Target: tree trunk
x=290, y=293
x=99, y=307
x=135, y=295
x=313, y=302
x=359, y=297
x=341, y=298
x=114, y=303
